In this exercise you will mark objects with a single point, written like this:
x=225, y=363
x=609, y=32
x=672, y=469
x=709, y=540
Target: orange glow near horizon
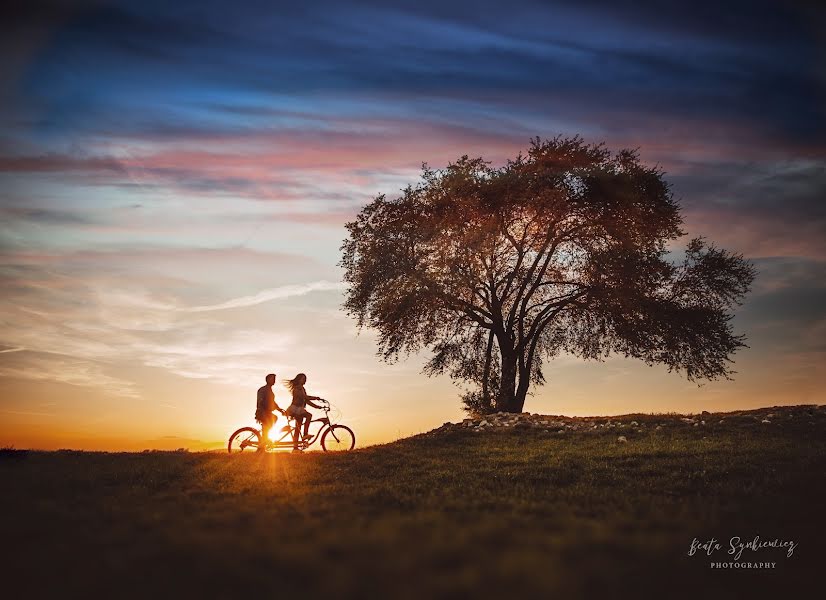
x=100, y=365
x=388, y=412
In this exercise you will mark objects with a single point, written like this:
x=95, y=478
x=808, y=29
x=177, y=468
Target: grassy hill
x=456, y=512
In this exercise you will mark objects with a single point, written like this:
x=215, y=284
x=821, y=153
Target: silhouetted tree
x=562, y=250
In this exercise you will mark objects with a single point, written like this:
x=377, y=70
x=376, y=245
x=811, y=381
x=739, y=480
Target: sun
x=273, y=430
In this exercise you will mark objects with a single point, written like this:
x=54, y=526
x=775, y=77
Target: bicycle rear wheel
x=246, y=438
x=338, y=438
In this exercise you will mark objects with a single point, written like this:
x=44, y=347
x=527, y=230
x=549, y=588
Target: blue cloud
x=126, y=66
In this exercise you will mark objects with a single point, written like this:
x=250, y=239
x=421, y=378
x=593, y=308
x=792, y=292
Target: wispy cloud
x=10, y=350
x=279, y=293
x=28, y=413
x=83, y=329
x=58, y=163
x=72, y=370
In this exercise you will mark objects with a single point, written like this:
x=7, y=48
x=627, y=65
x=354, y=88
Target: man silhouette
x=264, y=406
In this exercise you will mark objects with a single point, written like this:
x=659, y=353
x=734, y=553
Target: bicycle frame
x=286, y=439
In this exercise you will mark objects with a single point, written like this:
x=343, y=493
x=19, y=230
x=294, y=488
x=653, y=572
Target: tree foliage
x=564, y=249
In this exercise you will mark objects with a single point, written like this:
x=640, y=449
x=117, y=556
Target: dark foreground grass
x=455, y=515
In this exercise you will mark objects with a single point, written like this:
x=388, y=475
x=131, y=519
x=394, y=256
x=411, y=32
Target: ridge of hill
x=639, y=422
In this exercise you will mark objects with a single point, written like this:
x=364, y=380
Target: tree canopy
x=564, y=249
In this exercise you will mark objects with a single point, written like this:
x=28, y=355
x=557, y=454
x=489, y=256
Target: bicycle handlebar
x=327, y=402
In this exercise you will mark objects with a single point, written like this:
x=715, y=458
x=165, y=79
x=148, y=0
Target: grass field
x=453, y=514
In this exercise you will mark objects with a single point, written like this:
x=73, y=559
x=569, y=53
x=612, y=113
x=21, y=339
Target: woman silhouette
x=297, y=409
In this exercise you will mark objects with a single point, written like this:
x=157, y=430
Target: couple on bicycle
x=265, y=406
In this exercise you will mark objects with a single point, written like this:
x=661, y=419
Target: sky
x=175, y=178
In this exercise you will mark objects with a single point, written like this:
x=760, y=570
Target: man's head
x=271, y=379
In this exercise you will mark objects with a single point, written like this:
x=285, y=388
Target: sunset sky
x=175, y=178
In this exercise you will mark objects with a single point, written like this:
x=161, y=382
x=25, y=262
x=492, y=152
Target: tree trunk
x=507, y=387
x=486, y=375
x=522, y=389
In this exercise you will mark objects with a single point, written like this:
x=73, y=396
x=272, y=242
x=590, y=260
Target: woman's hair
x=299, y=379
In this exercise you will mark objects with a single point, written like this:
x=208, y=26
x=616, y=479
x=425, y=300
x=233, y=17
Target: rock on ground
x=635, y=423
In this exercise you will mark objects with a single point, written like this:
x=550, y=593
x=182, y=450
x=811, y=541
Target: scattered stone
x=622, y=439
x=560, y=424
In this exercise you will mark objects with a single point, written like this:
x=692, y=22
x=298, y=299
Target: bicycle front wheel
x=338, y=438
x=245, y=438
